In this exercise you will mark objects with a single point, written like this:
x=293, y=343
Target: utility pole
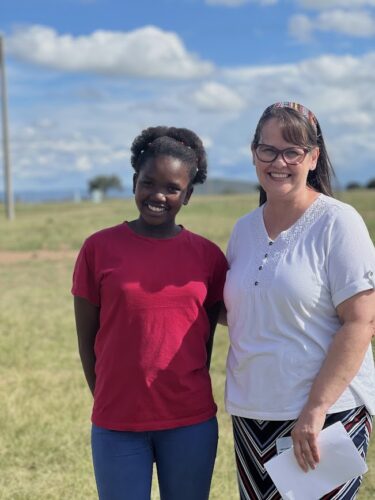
x=8, y=188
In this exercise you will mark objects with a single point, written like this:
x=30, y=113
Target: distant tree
x=371, y=184
x=353, y=185
x=104, y=183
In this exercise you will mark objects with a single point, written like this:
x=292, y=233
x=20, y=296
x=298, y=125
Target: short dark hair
x=180, y=143
x=296, y=128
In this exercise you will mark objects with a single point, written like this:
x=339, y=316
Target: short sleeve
x=216, y=283
x=351, y=256
x=85, y=281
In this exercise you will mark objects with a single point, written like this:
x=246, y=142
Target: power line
x=8, y=188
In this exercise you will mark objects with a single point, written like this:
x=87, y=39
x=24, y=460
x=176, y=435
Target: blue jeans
x=185, y=457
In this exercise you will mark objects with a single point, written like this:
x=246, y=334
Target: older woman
x=300, y=307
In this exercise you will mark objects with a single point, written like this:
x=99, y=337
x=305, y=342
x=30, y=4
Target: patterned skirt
x=255, y=444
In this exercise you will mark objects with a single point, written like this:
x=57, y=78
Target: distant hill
x=225, y=186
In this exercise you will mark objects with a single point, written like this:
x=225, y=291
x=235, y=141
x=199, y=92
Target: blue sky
x=86, y=76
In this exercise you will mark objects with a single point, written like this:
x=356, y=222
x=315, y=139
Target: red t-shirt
x=151, y=345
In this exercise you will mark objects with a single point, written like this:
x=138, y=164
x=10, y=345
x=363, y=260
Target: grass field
x=44, y=403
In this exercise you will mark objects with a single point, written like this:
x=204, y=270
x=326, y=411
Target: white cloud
x=60, y=138
x=147, y=52
x=353, y=23
x=47, y=152
x=207, y=142
x=358, y=23
x=83, y=163
x=308, y=77
x=301, y=27
x=329, y=4
x=213, y=96
x=357, y=118
x=238, y=3
x=339, y=89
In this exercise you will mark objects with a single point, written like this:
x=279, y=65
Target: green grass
x=45, y=405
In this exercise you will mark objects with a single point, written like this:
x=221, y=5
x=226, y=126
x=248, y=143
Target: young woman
x=147, y=294
x=300, y=305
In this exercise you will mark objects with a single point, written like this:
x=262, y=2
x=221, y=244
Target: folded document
x=340, y=462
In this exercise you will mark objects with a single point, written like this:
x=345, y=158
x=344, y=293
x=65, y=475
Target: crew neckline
x=150, y=238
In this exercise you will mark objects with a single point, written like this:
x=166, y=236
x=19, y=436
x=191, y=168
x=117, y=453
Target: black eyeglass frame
x=281, y=152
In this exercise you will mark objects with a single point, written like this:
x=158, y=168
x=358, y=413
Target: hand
x=305, y=435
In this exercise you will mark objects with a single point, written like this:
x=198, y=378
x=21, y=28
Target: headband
x=300, y=108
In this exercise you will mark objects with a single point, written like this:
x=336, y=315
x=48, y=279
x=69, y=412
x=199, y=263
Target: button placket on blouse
x=260, y=268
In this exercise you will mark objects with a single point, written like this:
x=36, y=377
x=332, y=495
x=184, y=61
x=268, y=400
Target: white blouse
x=281, y=297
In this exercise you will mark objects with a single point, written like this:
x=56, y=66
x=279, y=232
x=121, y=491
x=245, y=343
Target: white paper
x=340, y=462
x=283, y=444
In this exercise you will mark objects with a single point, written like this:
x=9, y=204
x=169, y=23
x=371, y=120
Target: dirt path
x=12, y=257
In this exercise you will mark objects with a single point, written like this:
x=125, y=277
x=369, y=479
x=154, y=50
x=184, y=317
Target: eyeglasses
x=292, y=156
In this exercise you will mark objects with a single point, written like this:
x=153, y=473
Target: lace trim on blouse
x=261, y=270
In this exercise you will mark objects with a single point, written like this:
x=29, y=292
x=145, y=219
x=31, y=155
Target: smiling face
x=279, y=178
x=161, y=187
